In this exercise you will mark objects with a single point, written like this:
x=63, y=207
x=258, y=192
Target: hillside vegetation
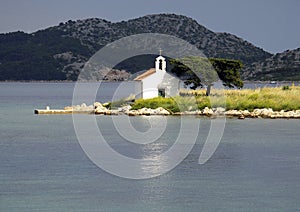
x=60, y=52
x=281, y=66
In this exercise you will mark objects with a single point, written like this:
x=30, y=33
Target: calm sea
x=42, y=167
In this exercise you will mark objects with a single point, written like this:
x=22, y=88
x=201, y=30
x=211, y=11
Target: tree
x=198, y=72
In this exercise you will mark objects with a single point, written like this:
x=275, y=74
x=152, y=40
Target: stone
x=111, y=112
x=195, y=112
x=162, y=111
x=199, y=112
x=207, y=111
x=100, y=110
x=76, y=107
x=124, y=108
x=265, y=113
x=219, y=111
x=145, y=111
x=246, y=113
x=97, y=104
x=132, y=113
x=256, y=112
x=241, y=117
x=233, y=113
x=90, y=108
x=70, y=108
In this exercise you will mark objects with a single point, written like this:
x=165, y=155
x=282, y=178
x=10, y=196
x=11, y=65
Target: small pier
x=48, y=111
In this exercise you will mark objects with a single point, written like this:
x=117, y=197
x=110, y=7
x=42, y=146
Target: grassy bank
x=280, y=98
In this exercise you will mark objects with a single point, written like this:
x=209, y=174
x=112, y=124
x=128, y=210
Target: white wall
x=160, y=80
x=150, y=83
x=170, y=84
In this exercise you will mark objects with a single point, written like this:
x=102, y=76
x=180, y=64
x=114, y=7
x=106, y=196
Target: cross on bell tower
x=160, y=51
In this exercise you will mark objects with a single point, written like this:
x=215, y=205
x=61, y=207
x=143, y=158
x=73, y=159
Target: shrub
x=167, y=103
x=286, y=87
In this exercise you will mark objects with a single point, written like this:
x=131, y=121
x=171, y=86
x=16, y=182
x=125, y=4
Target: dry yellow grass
x=249, y=99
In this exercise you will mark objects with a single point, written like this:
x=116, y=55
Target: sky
x=269, y=24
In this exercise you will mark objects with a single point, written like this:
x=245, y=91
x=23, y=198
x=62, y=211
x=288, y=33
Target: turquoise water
x=43, y=168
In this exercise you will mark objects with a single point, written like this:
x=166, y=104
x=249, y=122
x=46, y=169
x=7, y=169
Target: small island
x=279, y=102
x=158, y=93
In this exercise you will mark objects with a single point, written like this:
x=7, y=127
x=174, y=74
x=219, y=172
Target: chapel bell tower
x=160, y=63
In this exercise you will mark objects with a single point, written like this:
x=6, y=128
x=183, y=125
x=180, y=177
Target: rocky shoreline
x=101, y=109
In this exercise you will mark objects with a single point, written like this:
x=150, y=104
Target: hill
x=281, y=66
x=59, y=52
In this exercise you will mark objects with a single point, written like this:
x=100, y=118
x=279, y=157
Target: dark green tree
x=198, y=72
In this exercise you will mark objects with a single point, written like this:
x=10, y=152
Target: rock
x=145, y=111
x=246, y=113
x=256, y=112
x=82, y=107
x=124, y=109
x=241, y=117
x=233, y=113
x=199, y=112
x=76, y=107
x=207, y=111
x=85, y=108
x=97, y=104
x=111, y=112
x=289, y=114
x=90, y=108
x=100, y=110
x=219, y=111
x=265, y=113
x=79, y=108
x=68, y=108
x=132, y=113
x=193, y=113
x=161, y=111
x=148, y=111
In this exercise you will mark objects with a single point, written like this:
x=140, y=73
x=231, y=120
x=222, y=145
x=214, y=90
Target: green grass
x=245, y=99
x=167, y=103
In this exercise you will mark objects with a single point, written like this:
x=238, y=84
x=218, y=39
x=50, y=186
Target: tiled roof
x=145, y=74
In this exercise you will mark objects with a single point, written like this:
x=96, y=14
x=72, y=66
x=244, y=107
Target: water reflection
x=154, y=161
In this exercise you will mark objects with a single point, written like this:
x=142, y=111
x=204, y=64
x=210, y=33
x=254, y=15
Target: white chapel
x=157, y=82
